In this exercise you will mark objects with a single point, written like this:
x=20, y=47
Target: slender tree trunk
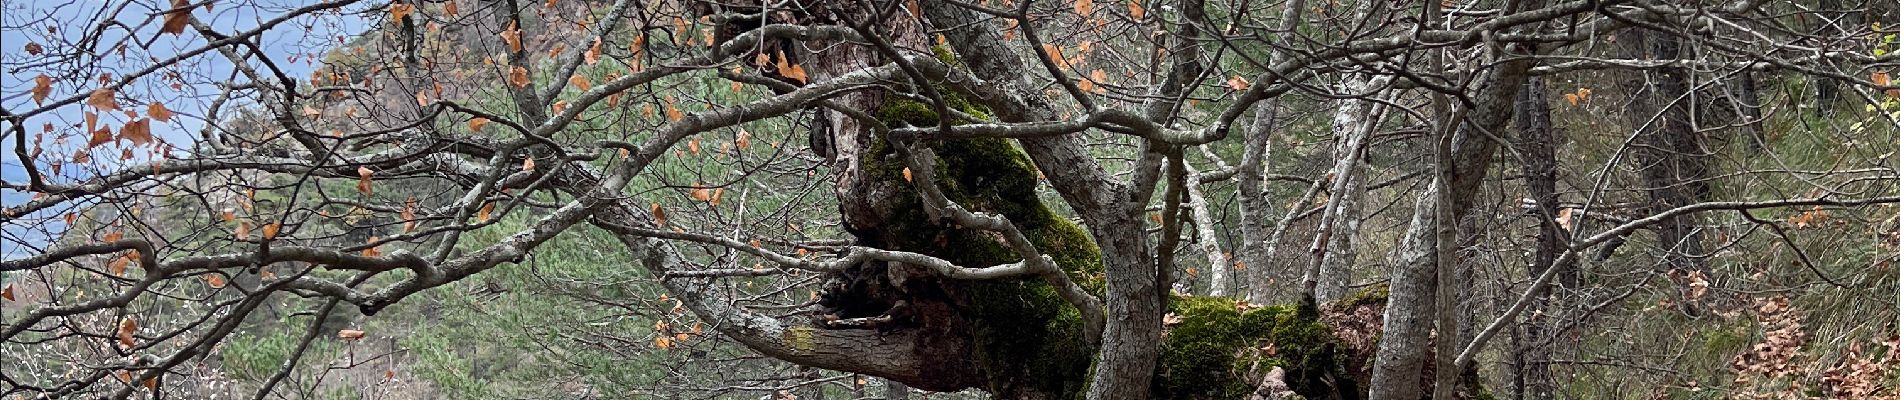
x=1536, y=144
x=1250, y=177
x=1332, y=247
x=1827, y=92
x=1410, y=311
x=1219, y=272
x=1669, y=152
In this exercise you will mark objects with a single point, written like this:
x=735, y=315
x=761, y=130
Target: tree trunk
x=1536, y=144
x=1220, y=271
x=1669, y=153
x=1250, y=177
x=1129, y=346
x=1332, y=246
x=1403, y=350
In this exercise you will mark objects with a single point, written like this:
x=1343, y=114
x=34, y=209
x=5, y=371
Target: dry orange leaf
x=518, y=77
x=400, y=11
x=42, y=86
x=228, y=216
x=580, y=82
x=139, y=131
x=1084, y=7
x=744, y=140
x=372, y=251
x=409, y=215
x=1572, y=98
x=512, y=36
x=795, y=72
x=693, y=145
x=659, y=214
x=447, y=9
x=907, y=174
x=593, y=53
x=243, y=231
x=755, y=243
x=477, y=123
x=1238, y=83
x=103, y=99
x=158, y=112
x=673, y=112
x=663, y=342
x=362, y=183
x=215, y=281
x=1135, y=10
x=117, y=266
x=127, y=327
x=99, y=137
x=527, y=164
x=486, y=209
x=700, y=193
x=270, y=230
x=180, y=17
x=7, y=292
x=349, y=334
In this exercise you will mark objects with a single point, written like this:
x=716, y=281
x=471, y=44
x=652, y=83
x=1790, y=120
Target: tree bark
x=1408, y=322
x=1332, y=247
x=1669, y=153
x=1131, y=336
x=1250, y=177
x=1535, y=143
x=1220, y=271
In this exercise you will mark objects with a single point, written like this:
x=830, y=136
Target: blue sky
x=294, y=46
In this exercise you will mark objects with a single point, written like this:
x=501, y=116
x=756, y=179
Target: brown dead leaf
x=399, y=11
x=180, y=17
x=518, y=77
x=363, y=183
x=42, y=86
x=580, y=82
x=158, y=112
x=512, y=36
x=103, y=99
x=138, y=131
x=128, y=327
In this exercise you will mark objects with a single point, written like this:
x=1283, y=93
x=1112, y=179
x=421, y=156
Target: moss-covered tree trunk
x=1016, y=337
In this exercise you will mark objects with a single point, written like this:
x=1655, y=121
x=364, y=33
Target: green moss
x=1021, y=327
x=1375, y=294
x=1210, y=352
